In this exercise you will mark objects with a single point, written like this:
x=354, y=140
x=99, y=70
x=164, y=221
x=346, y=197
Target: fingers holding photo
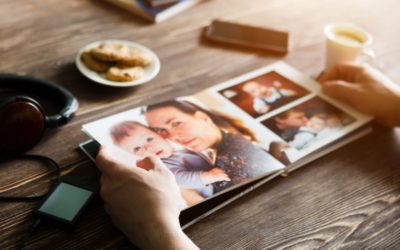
x=344, y=91
x=365, y=88
x=116, y=163
x=345, y=72
x=158, y=164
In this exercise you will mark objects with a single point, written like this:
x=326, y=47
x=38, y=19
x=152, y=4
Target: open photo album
x=233, y=136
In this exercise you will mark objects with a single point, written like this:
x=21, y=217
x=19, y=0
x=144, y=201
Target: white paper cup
x=347, y=43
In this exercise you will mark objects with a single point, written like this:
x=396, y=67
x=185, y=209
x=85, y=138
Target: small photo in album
x=264, y=93
x=308, y=124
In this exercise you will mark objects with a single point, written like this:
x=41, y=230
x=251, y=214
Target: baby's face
x=256, y=89
x=316, y=123
x=143, y=142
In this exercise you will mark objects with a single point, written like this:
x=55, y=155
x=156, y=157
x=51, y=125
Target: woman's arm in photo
x=194, y=179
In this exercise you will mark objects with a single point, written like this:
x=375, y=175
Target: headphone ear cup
x=22, y=124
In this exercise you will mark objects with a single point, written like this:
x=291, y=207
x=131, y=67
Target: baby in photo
x=191, y=170
x=264, y=96
x=319, y=126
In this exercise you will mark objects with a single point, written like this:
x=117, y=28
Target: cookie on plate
x=136, y=57
x=124, y=74
x=110, y=52
x=94, y=64
x=117, y=52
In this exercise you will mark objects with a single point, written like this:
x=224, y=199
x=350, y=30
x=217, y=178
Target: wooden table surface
x=347, y=199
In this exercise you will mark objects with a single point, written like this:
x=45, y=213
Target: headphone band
x=26, y=83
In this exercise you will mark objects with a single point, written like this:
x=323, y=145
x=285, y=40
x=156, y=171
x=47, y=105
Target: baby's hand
x=264, y=109
x=214, y=175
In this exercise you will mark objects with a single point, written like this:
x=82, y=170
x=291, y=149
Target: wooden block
x=249, y=36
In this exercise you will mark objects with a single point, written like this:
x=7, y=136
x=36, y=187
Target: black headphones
x=22, y=119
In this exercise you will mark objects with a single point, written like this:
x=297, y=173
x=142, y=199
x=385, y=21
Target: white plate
x=150, y=71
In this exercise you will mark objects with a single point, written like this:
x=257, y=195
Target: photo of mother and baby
x=310, y=122
x=206, y=151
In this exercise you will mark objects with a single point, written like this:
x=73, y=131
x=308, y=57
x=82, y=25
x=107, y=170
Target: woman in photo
x=222, y=140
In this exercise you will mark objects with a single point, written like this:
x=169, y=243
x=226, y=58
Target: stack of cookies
x=119, y=62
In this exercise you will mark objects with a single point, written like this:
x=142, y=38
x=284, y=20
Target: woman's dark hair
x=224, y=122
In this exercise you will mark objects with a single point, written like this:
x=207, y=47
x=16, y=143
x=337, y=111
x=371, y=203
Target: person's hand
x=366, y=89
x=214, y=175
x=144, y=204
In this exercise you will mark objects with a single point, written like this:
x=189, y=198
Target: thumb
x=341, y=90
x=104, y=159
x=158, y=165
x=111, y=164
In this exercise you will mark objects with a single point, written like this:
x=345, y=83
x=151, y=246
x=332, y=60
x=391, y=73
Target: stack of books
x=155, y=10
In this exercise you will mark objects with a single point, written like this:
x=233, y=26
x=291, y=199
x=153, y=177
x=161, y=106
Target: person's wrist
x=161, y=233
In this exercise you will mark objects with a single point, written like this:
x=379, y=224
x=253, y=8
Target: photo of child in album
x=265, y=96
x=308, y=123
x=318, y=127
x=260, y=95
x=191, y=170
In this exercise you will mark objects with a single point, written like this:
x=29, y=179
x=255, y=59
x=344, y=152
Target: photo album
x=230, y=138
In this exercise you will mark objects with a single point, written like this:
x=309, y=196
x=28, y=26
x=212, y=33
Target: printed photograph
x=207, y=152
x=308, y=123
x=263, y=94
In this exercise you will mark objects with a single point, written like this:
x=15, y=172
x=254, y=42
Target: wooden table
x=349, y=198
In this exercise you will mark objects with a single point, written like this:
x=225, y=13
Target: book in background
x=155, y=10
x=157, y=3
